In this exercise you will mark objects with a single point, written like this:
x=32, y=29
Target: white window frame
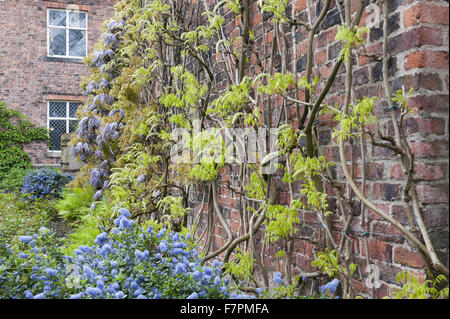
x=67, y=118
x=67, y=28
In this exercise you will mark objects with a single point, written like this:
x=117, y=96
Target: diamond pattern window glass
x=61, y=120
x=77, y=43
x=57, y=109
x=77, y=19
x=57, y=41
x=67, y=33
x=57, y=18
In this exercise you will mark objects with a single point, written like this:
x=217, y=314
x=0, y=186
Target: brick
x=431, y=103
x=435, y=215
x=429, y=194
x=423, y=59
x=423, y=149
x=415, y=38
x=429, y=81
x=407, y=257
x=361, y=75
x=377, y=250
x=385, y=191
x=301, y=5
x=425, y=13
x=429, y=172
x=387, y=232
x=371, y=215
x=396, y=171
x=321, y=56
x=399, y=214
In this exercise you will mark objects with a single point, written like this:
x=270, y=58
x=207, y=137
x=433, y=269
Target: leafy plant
x=328, y=263
x=75, y=203
x=20, y=216
x=411, y=288
x=12, y=180
x=15, y=131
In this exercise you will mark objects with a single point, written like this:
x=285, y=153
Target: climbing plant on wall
x=15, y=131
x=166, y=66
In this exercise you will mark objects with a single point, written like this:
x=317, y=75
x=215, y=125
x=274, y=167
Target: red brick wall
x=28, y=79
x=419, y=39
x=419, y=46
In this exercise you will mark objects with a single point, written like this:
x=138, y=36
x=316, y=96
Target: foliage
x=241, y=267
x=351, y=37
x=20, y=216
x=328, y=263
x=12, y=181
x=15, y=131
x=411, y=288
x=45, y=182
x=128, y=262
x=75, y=203
x=160, y=67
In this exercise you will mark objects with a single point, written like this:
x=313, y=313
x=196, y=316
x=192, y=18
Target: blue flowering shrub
x=45, y=182
x=127, y=262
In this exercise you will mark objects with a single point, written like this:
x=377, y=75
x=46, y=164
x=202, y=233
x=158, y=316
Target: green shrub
x=19, y=216
x=12, y=181
x=15, y=131
x=83, y=234
x=75, y=203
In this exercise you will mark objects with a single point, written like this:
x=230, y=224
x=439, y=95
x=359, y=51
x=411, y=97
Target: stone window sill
x=67, y=60
x=55, y=154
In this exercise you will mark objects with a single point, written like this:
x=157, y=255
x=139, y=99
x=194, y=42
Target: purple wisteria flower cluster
x=102, y=125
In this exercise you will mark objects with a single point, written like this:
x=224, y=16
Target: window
x=61, y=120
x=66, y=33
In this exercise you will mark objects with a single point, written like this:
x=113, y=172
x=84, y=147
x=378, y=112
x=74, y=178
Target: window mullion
x=67, y=116
x=67, y=42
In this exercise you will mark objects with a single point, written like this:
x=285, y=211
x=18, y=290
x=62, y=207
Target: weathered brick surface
x=418, y=45
x=28, y=79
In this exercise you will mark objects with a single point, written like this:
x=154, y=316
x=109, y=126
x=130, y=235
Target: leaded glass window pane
x=57, y=18
x=57, y=41
x=67, y=33
x=57, y=128
x=73, y=106
x=77, y=19
x=57, y=109
x=77, y=43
